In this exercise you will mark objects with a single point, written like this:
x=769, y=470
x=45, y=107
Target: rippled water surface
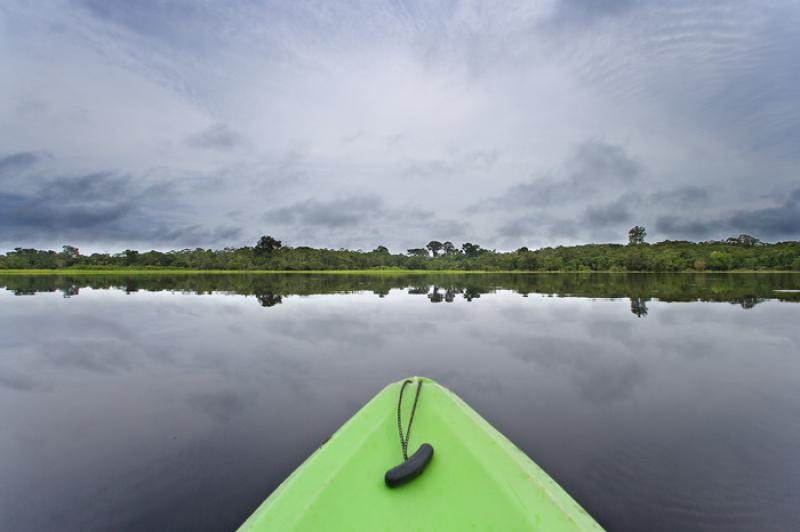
x=660, y=402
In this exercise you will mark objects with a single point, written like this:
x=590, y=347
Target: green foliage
x=418, y=252
x=471, y=250
x=70, y=253
x=636, y=235
x=266, y=245
x=636, y=262
x=719, y=260
x=435, y=247
x=269, y=254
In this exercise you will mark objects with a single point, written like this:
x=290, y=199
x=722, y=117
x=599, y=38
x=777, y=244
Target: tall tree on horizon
x=470, y=249
x=435, y=247
x=70, y=252
x=636, y=235
x=266, y=245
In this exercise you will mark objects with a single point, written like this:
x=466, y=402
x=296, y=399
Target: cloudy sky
x=171, y=124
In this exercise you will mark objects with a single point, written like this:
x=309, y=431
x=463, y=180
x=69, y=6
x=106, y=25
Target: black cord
x=404, y=441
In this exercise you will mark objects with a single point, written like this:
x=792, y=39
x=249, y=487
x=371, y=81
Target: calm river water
x=660, y=402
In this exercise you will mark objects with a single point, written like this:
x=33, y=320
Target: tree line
x=736, y=253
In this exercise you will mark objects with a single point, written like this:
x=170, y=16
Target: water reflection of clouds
x=315, y=328
x=603, y=371
x=93, y=355
x=13, y=380
x=219, y=405
x=589, y=341
x=228, y=378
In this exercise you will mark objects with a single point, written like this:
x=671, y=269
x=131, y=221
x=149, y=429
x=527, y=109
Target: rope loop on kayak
x=404, y=440
x=413, y=466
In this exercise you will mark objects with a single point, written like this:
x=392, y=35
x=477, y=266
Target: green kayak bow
x=477, y=480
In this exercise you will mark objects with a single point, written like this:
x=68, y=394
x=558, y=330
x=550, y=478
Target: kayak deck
x=477, y=479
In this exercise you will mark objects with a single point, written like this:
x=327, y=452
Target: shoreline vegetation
x=744, y=254
x=375, y=272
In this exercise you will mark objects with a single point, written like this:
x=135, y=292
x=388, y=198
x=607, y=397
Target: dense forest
x=736, y=253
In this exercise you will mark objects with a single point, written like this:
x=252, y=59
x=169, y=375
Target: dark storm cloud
x=445, y=229
x=781, y=221
x=80, y=203
x=678, y=227
x=362, y=218
x=601, y=162
x=610, y=214
x=99, y=206
x=521, y=229
x=560, y=230
x=607, y=221
x=770, y=223
x=593, y=166
x=335, y=213
x=18, y=162
x=517, y=228
x=573, y=200
x=668, y=210
x=218, y=137
x=793, y=198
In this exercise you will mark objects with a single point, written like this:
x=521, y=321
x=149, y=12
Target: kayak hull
x=477, y=479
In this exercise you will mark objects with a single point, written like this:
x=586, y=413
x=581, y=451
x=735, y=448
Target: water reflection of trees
x=639, y=306
x=448, y=295
x=748, y=301
x=270, y=289
x=268, y=299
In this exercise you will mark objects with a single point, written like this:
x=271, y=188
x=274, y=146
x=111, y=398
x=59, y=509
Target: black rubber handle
x=411, y=468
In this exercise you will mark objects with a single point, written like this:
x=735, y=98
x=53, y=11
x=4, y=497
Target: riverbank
x=397, y=271
x=667, y=256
